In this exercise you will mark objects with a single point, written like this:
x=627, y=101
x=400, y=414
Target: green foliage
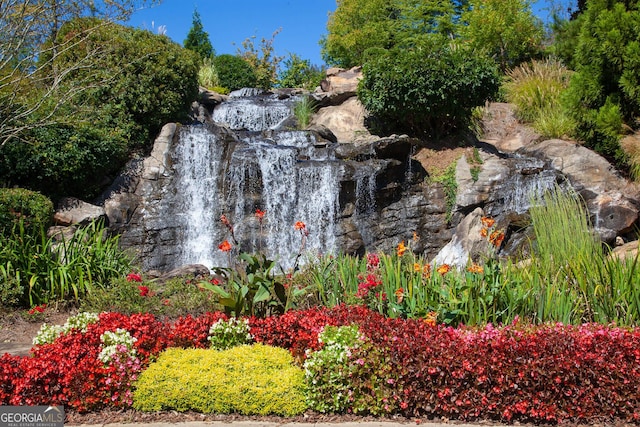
x=449, y=185
x=198, y=39
x=225, y=334
x=234, y=72
x=349, y=372
x=535, y=88
x=299, y=73
x=262, y=60
x=64, y=160
x=69, y=269
x=207, y=75
x=251, y=287
x=303, y=110
x=136, y=82
x=170, y=299
x=428, y=90
x=20, y=207
x=506, y=30
x=249, y=380
x=604, y=91
x=324, y=369
x=357, y=26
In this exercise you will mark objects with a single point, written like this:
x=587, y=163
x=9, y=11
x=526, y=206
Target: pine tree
x=198, y=39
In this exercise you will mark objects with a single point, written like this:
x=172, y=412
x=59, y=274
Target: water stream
x=280, y=172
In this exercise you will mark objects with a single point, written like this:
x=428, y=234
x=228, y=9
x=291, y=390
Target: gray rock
x=73, y=211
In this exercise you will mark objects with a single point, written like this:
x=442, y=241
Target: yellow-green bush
x=250, y=380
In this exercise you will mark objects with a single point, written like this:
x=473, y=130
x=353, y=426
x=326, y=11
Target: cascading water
x=278, y=171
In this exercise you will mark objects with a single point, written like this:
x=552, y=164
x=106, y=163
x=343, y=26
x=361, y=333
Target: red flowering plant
x=70, y=371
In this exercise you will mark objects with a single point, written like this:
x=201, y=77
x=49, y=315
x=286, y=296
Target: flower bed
x=542, y=374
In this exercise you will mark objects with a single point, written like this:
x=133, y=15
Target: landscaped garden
x=553, y=339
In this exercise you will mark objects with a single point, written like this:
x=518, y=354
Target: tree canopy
x=29, y=32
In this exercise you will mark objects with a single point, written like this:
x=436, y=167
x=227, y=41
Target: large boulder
x=338, y=86
x=613, y=202
x=346, y=121
x=73, y=211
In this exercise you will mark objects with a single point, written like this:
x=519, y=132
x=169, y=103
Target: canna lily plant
x=250, y=285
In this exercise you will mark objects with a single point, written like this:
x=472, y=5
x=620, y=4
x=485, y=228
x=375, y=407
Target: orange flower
x=475, y=268
x=401, y=248
x=299, y=225
x=399, y=295
x=417, y=268
x=488, y=222
x=426, y=271
x=259, y=214
x=444, y=269
x=496, y=238
x=484, y=232
x=430, y=318
x=415, y=237
x=225, y=246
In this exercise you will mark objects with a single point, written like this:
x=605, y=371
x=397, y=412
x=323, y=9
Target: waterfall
x=197, y=162
x=279, y=172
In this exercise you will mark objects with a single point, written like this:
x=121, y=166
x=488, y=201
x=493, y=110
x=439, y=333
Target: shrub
x=234, y=72
x=604, y=91
x=20, y=207
x=299, y=73
x=431, y=89
x=62, y=160
x=189, y=331
x=69, y=372
x=170, y=299
x=250, y=380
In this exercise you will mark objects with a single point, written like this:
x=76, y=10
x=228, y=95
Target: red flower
x=225, y=246
x=144, y=291
x=37, y=309
x=133, y=277
x=299, y=225
x=259, y=214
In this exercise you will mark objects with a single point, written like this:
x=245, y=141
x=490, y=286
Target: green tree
x=135, y=86
x=198, y=39
x=354, y=27
x=605, y=90
x=430, y=89
x=507, y=30
x=29, y=32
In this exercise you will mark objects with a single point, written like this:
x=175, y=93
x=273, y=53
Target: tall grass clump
x=207, y=74
x=572, y=279
x=535, y=89
x=45, y=269
x=303, y=110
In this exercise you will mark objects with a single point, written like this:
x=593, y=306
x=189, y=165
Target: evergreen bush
x=19, y=206
x=427, y=90
x=234, y=72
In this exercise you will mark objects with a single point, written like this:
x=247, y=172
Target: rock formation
x=382, y=188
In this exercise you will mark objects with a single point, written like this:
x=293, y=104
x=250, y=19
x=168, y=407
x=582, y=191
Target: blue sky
x=302, y=22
